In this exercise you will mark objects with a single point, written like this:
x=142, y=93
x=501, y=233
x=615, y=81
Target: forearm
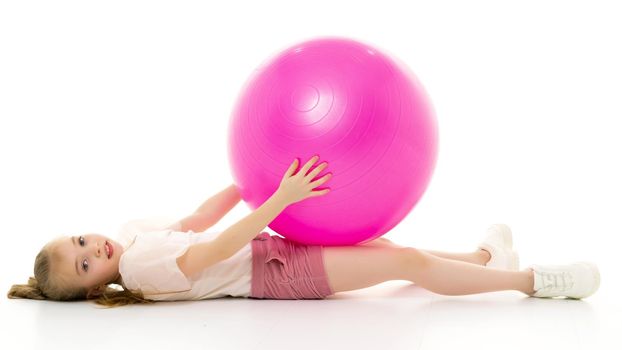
x=221, y=203
x=237, y=236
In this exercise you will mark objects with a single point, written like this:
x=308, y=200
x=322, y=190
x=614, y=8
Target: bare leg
x=450, y=277
x=356, y=267
x=361, y=266
x=479, y=256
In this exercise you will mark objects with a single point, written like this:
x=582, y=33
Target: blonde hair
x=46, y=285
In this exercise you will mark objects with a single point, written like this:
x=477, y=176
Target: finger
x=308, y=165
x=291, y=168
x=320, y=192
x=321, y=180
x=317, y=170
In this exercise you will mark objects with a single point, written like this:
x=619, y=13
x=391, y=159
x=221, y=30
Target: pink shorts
x=284, y=269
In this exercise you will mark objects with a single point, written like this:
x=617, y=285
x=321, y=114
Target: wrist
x=279, y=201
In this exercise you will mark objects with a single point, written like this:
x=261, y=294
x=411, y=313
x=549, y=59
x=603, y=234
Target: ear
x=95, y=291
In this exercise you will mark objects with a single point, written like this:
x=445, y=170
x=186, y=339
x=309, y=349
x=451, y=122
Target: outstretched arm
x=205, y=254
x=211, y=211
x=237, y=236
x=293, y=188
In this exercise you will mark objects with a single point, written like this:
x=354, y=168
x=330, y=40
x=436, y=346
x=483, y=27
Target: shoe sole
x=506, y=236
x=506, y=233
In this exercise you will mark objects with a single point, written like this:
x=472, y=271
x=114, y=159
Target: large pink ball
x=361, y=111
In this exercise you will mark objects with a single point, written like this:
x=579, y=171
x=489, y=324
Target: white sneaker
x=498, y=243
x=577, y=280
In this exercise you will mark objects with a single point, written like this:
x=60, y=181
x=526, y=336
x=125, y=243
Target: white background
x=117, y=110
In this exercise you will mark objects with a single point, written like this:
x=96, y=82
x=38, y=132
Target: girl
x=174, y=263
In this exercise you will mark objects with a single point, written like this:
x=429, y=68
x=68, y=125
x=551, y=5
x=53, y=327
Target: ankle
x=483, y=256
x=529, y=282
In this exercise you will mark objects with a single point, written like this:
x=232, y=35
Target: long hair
x=46, y=285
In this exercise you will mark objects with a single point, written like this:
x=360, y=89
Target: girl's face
x=86, y=261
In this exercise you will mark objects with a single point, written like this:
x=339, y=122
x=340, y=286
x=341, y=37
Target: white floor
x=392, y=315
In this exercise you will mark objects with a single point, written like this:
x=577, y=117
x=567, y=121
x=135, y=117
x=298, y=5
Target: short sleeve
x=150, y=265
x=129, y=230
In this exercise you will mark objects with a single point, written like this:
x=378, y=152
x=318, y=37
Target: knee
x=414, y=256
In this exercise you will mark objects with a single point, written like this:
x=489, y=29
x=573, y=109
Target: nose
x=97, y=250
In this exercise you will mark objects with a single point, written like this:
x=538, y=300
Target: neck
x=118, y=280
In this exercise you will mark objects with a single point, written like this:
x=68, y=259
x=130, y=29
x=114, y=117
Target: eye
x=85, y=263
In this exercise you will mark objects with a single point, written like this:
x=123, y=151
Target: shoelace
x=558, y=281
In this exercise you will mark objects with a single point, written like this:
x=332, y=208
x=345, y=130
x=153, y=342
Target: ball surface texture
x=362, y=111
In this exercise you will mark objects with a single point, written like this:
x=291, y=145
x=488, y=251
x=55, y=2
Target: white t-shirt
x=148, y=263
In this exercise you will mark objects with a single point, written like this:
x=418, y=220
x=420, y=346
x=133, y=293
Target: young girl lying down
x=184, y=261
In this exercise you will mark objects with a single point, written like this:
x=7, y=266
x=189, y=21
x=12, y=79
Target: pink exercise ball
x=360, y=110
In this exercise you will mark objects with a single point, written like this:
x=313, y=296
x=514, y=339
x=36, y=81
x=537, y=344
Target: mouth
x=109, y=250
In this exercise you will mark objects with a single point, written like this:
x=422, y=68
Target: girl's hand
x=295, y=188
